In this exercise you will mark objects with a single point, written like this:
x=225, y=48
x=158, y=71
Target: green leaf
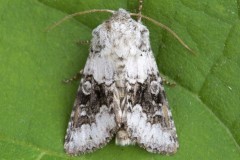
x=35, y=105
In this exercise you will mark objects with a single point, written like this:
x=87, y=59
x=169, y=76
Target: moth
x=121, y=92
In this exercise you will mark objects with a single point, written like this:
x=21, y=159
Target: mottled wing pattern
x=147, y=116
x=92, y=122
x=122, y=91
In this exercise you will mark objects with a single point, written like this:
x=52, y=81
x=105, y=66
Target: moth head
x=121, y=14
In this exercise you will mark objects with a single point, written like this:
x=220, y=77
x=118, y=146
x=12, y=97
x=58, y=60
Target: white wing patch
x=152, y=137
x=88, y=136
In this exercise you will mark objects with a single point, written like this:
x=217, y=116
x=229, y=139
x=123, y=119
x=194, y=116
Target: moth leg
x=83, y=42
x=171, y=84
x=74, y=78
x=140, y=3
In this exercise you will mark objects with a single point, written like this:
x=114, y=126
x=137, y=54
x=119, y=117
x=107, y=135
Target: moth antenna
x=140, y=2
x=139, y=15
x=77, y=14
x=166, y=28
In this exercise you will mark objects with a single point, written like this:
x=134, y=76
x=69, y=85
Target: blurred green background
x=35, y=106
